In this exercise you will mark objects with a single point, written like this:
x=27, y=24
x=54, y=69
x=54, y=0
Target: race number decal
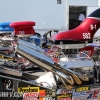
x=86, y=36
x=92, y=26
x=21, y=32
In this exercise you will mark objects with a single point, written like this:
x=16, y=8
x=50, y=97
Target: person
x=81, y=18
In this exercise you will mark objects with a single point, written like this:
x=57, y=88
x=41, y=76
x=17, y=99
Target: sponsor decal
x=94, y=93
x=6, y=57
x=79, y=98
x=20, y=60
x=83, y=88
x=28, y=98
x=48, y=98
x=21, y=32
x=64, y=91
x=42, y=93
x=28, y=89
x=64, y=99
x=29, y=93
x=79, y=93
x=64, y=95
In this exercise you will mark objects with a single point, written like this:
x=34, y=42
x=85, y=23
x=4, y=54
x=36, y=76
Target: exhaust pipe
x=42, y=60
x=78, y=77
x=30, y=45
x=35, y=55
x=73, y=75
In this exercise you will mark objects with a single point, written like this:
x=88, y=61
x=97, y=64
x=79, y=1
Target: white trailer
x=48, y=14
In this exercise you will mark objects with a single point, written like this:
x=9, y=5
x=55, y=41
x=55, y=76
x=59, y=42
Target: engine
x=78, y=67
x=68, y=71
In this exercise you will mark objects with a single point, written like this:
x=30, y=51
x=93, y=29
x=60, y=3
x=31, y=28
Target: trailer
x=48, y=15
x=43, y=13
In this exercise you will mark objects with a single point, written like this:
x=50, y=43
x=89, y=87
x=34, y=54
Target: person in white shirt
x=81, y=18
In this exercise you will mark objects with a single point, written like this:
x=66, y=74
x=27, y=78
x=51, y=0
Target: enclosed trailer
x=48, y=14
